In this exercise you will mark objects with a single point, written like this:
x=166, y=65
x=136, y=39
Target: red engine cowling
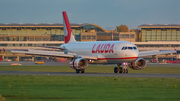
x=79, y=63
x=140, y=63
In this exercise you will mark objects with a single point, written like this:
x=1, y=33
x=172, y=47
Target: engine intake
x=79, y=63
x=140, y=63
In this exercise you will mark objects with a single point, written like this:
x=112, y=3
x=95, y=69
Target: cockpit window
x=134, y=48
x=122, y=48
x=129, y=48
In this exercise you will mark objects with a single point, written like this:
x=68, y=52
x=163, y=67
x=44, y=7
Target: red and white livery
x=99, y=52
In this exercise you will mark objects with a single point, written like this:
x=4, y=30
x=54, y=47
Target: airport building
x=55, y=32
x=27, y=36
x=36, y=32
x=160, y=32
x=159, y=36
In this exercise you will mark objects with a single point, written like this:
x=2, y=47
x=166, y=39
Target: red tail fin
x=68, y=35
x=4, y=50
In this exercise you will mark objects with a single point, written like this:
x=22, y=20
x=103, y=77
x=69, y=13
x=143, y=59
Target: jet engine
x=140, y=63
x=79, y=63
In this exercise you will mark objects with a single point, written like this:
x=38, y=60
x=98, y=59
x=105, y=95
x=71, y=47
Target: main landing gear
x=80, y=70
x=120, y=69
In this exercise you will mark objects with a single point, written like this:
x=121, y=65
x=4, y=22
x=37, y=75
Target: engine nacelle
x=79, y=63
x=140, y=63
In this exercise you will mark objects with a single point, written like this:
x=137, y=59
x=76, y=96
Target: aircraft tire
x=126, y=71
x=77, y=70
x=82, y=71
x=120, y=70
x=115, y=70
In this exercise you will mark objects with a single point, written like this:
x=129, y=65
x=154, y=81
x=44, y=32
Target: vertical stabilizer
x=68, y=35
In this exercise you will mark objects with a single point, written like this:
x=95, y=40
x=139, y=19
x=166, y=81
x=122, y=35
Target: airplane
x=98, y=52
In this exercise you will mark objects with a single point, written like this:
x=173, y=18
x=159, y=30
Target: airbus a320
x=99, y=52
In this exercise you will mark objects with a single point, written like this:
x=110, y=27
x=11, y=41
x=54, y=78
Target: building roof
x=38, y=25
x=159, y=26
x=157, y=42
x=51, y=25
x=32, y=42
x=96, y=26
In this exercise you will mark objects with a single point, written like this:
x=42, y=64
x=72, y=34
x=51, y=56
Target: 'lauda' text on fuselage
x=102, y=48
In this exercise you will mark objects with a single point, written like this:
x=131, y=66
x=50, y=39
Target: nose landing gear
x=125, y=71
x=120, y=69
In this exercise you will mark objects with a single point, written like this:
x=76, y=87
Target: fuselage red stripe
x=117, y=58
x=68, y=27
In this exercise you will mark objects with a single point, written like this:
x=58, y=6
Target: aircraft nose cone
x=131, y=54
x=134, y=53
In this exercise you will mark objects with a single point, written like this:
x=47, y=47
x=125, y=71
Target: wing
x=53, y=54
x=50, y=47
x=155, y=52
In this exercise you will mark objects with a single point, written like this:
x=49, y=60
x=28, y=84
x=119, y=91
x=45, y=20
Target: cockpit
x=129, y=48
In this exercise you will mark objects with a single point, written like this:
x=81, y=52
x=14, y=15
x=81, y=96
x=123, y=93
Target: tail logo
x=68, y=36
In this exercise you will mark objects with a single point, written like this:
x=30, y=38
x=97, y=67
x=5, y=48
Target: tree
x=122, y=28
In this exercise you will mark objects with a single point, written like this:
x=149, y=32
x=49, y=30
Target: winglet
x=68, y=35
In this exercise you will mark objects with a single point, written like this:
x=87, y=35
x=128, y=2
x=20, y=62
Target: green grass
x=94, y=69
x=48, y=88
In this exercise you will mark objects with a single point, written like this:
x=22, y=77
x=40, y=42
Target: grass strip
x=48, y=88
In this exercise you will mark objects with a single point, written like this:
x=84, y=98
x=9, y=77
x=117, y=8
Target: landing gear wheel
x=126, y=71
x=82, y=71
x=77, y=70
x=120, y=70
x=115, y=70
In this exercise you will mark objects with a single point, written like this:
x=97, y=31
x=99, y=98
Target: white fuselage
x=106, y=51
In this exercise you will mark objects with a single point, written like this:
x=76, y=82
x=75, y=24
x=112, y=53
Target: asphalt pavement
x=28, y=63
x=90, y=74
x=154, y=75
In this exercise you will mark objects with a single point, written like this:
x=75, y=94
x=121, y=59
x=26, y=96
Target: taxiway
x=91, y=74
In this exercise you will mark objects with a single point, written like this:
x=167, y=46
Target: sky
x=106, y=13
